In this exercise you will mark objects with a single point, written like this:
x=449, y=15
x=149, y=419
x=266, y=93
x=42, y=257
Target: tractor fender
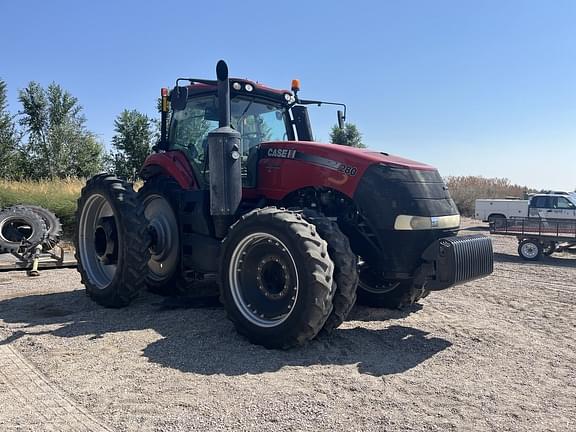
x=172, y=164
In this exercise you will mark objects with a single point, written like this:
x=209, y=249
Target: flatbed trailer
x=537, y=236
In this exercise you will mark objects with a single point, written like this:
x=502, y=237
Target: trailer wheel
x=345, y=267
x=19, y=224
x=373, y=291
x=549, y=249
x=276, y=278
x=530, y=250
x=111, y=241
x=159, y=198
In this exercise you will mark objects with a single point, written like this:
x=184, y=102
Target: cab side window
x=541, y=202
x=563, y=203
x=189, y=128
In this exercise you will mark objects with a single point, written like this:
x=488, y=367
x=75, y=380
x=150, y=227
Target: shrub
x=465, y=190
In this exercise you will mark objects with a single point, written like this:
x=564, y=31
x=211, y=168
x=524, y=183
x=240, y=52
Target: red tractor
x=293, y=230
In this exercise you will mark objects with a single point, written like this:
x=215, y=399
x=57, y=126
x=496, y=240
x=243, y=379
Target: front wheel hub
x=263, y=279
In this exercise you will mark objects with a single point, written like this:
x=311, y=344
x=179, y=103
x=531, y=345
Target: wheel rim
x=370, y=282
x=14, y=229
x=529, y=250
x=263, y=279
x=97, y=240
x=163, y=225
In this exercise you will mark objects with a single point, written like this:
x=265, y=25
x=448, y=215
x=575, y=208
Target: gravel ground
x=494, y=354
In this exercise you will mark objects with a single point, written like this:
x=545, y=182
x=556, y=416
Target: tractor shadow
x=543, y=261
x=203, y=341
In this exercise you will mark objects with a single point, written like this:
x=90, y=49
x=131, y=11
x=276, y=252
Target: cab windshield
x=256, y=122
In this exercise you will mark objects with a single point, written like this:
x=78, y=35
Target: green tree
x=132, y=143
x=58, y=143
x=349, y=136
x=9, y=140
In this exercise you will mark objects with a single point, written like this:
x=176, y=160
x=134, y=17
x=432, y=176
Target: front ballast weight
x=455, y=260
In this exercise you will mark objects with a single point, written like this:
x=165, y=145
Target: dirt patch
x=494, y=354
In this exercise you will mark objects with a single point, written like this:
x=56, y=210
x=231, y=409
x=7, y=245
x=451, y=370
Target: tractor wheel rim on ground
x=529, y=250
x=164, y=252
x=96, y=208
x=263, y=279
x=12, y=225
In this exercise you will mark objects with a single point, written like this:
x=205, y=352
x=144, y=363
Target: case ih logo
x=281, y=153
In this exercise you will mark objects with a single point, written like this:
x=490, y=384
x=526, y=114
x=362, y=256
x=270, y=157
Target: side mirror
x=302, y=123
x=341, y=119
x=178, y=98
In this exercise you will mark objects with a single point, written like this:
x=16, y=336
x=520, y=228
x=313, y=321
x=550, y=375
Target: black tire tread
x=404, y=295
x=134, y=253
x=345, y=267
x=53, y=224
x=320, y=279
x=538, y=245
x=36, y=223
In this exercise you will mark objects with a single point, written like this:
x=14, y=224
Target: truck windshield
x=256, y=122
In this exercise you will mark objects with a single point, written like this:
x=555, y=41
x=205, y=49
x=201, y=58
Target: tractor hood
x=285, y=166
x=334, y=153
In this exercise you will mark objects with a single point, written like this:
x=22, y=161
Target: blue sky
x=472, y=87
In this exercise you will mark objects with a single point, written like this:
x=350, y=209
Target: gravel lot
x=494, y=354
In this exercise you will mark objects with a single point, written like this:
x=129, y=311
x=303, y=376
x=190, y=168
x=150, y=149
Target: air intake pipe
x=224, y=160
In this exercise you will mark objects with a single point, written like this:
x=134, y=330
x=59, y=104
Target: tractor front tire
x=276, y=278
x=345, y=268
x=111, y=241
x=374, y=292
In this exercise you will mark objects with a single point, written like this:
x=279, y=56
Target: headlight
x=412, y=223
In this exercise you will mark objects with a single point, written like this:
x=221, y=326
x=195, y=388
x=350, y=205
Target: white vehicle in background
x=543, y=206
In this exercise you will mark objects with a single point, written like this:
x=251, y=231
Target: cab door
x=540, y=207
x=564, y=208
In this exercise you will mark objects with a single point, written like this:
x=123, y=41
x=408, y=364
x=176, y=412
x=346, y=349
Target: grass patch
x=59, y=196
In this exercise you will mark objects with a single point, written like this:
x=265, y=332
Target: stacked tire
x=25, y=226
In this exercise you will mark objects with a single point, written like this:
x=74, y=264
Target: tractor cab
x=257, y=112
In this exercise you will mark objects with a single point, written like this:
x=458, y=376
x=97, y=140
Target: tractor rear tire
x=276, y=278
x=53, y=224
x=159, y=197
x=111, y=241
x=19, y=224
x=345, y=268
x=374, y=292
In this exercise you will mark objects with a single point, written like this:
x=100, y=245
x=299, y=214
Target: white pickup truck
x=549, y=206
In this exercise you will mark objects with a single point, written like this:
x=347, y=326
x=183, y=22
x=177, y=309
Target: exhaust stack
x=224, y=160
